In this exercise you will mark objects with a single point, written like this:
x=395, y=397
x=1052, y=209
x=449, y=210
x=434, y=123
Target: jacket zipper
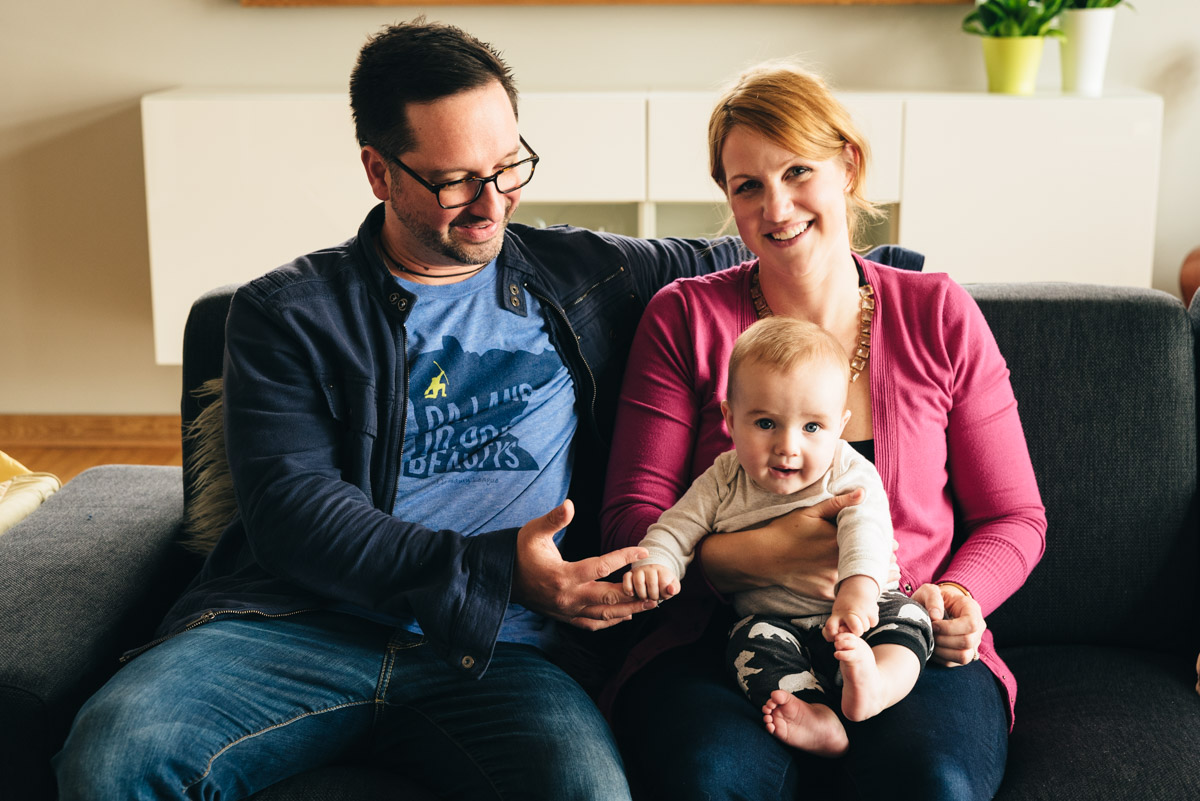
x=578, y=348
x=398, y=446
x=208, y=617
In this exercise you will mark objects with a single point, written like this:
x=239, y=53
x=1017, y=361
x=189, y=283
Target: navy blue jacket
x=316, y=382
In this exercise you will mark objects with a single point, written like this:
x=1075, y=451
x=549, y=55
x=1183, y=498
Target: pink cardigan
x=945, y=427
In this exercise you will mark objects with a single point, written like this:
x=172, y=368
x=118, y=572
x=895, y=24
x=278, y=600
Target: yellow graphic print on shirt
x=437, y=385
x=478, y=427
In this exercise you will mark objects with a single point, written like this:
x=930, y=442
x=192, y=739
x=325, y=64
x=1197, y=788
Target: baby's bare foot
x=814, y=728
x=863, y=687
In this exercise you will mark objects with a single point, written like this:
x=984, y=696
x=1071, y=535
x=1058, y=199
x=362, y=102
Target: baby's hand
x=651, y=582
x=856, y=608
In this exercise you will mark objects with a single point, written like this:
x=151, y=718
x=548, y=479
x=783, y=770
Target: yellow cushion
x=10, y=467
x=20, y=495
x=22, y=490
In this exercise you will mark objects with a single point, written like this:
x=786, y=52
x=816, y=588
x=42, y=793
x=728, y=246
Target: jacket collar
x=513, y=269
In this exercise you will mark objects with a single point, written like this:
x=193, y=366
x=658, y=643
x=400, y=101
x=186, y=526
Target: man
x=401, y=411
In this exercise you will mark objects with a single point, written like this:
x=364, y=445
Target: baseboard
x=88, y=430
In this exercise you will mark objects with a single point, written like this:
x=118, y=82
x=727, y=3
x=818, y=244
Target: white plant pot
x=1088, y=32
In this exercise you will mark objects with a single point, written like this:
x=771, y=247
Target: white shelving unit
x=989, y=187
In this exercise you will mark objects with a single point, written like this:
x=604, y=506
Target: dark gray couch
x=1103, y=637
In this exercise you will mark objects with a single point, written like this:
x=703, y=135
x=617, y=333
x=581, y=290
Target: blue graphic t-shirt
x=491, y=415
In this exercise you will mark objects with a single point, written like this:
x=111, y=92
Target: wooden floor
x=66, y=445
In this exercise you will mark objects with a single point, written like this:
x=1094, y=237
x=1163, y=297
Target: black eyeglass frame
x=436, y=189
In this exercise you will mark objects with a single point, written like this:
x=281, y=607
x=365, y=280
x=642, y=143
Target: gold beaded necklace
x=866, y=305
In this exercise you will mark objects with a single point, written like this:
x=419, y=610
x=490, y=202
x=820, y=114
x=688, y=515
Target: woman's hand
x=797, y=551
x=958, y=623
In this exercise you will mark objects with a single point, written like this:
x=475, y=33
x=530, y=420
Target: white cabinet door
x=237, y=184
x=677, y=169
x=1043, y=188
x=593, y=146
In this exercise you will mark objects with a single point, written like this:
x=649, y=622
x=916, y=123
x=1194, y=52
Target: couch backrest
x=1105, y=380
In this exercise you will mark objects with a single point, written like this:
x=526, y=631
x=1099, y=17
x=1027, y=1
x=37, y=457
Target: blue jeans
x=688, y=732
x=233, y=706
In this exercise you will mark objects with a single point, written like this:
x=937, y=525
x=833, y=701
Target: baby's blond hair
x=786, y=344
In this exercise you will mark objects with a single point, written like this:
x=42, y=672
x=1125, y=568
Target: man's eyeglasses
x=465, y=191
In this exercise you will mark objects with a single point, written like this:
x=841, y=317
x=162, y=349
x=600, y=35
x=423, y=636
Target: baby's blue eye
x=764, y=423
x=812, y=428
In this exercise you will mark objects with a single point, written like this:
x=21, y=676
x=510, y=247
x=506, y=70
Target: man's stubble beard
x=468, y=255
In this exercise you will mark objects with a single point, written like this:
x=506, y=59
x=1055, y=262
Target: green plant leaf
x=1017, y=17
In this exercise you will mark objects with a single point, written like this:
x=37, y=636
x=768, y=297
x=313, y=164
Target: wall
x=74, y=275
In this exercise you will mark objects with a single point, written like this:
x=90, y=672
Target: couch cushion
x=1102, y=723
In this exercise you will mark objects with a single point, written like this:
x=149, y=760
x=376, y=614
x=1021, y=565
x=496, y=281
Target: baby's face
x=786, y=425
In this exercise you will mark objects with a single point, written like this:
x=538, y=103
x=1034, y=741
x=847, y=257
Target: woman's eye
x=744, y=187
x=764, y=424
x=797, y=171
x=812, y=428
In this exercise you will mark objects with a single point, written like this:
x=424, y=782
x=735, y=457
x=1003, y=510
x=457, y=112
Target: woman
x=931, y=405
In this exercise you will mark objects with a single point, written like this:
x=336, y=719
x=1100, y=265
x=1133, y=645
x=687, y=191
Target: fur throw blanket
x=213, y=504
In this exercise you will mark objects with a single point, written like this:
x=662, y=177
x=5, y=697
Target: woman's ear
x=851, y=158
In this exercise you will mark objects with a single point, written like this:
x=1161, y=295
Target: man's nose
x=491, y=202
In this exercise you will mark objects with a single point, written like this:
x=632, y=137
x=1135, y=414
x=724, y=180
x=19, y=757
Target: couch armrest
x=88, y=575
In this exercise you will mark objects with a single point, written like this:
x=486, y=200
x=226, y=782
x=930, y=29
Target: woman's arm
x=990, y=470
x=656, y=427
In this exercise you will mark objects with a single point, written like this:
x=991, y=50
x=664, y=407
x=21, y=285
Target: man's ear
x=378, y=173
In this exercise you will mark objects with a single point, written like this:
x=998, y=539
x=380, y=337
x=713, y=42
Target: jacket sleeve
x=307, y=524
x=990, y=471
x=657, y=262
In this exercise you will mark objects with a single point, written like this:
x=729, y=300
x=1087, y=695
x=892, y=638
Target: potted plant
x=1087, y=29
x=1014, y=32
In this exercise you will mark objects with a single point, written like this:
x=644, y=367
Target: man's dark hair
x=417, y=62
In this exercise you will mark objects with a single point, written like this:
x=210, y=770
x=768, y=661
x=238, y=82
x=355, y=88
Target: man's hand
x=572, y=592
x=651, y=582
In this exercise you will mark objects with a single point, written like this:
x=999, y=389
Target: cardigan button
x=468, y=662
x=908, y=588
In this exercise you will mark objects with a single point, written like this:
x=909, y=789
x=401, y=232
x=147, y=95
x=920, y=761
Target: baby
x=785, y=411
